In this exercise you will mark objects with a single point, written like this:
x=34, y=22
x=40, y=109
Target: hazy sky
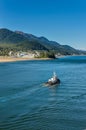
x=63, y=21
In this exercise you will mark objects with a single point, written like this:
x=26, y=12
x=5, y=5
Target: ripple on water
x=26, y=104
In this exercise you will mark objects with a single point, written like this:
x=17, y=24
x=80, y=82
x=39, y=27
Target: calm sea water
x=26, y=104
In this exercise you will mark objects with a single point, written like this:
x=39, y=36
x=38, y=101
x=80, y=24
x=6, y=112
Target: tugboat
x=53, y=81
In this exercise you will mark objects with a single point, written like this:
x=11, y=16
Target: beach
x=13, y=59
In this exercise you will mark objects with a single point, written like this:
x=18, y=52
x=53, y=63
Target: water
x=26, y=104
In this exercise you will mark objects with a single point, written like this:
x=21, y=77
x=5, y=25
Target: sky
x=63, y=21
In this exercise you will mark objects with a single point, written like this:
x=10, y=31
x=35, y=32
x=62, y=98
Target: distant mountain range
x=24, y=41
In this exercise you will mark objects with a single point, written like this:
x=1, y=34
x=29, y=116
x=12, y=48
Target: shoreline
x=14, y=59
x=4, y=59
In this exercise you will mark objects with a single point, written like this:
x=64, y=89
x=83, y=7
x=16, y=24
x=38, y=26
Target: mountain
x=42, y=40
x=17, y=40
x=8, y=37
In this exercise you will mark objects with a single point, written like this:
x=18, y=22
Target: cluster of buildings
x=29, y=54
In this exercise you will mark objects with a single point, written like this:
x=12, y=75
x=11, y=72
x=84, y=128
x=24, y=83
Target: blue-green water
x=26, y=104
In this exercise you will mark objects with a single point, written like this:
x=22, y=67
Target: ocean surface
x=26, y=104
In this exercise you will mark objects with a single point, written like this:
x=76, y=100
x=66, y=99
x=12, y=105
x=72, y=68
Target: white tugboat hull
x=50, y=83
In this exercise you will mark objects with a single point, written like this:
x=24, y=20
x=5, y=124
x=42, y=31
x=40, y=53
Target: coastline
x=13, y=59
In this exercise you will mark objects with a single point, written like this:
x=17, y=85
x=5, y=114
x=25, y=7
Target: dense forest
x=18, y=41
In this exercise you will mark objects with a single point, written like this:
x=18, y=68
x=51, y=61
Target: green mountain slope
x=16, y=41
x=12, y=39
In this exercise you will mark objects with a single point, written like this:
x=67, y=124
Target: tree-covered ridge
x=19, y=41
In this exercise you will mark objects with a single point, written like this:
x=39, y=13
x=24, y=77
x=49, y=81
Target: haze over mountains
x=24, y=41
